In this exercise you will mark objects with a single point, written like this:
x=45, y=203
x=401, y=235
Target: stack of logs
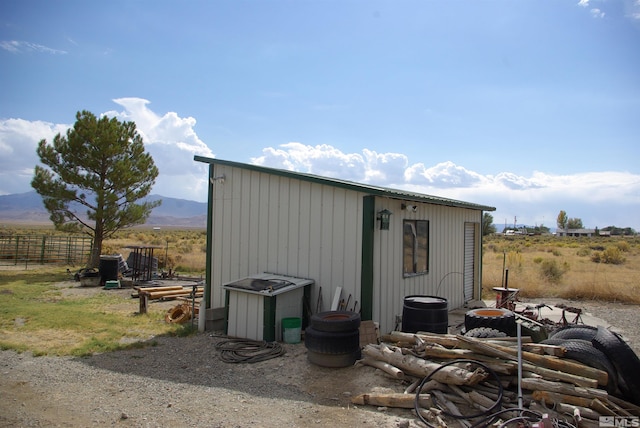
x=166, y=293
x=561, y=388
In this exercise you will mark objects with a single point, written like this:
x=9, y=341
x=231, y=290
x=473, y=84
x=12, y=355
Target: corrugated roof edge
x=365, y=188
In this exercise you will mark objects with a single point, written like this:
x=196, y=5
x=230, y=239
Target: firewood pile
x=456, y=380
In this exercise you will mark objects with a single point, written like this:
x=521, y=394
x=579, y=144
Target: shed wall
x=264, y=222
x=445, y=277
x=268, y=223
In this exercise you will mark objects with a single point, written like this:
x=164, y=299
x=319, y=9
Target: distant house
x=377, y=244
x=588, y=233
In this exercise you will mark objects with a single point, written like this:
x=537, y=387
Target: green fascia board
x=350, y=185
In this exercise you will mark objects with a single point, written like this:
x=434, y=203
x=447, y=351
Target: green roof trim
x=350, y=185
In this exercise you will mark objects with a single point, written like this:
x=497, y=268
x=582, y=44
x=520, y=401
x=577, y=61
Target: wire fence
x=27, y=250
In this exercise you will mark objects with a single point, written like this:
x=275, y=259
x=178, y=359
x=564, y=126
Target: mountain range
x=27, y=208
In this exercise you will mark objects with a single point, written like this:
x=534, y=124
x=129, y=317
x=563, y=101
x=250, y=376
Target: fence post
x=17, y=249
x=44, y=244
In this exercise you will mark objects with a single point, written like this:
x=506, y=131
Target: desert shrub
x=552, y=271
x=583, y=252
x=611, y=255
x=623, y=246
x=514, y=259
x=537, y=260
x=184, y=247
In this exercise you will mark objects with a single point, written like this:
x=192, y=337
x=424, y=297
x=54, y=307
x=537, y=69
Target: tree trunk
x=98, y=236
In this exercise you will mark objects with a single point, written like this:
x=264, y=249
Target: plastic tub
x=291, y=330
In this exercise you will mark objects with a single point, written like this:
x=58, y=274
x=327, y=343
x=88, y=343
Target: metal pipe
x=519, y=332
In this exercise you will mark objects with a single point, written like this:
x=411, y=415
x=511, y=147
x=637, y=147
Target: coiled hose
x=248, y=351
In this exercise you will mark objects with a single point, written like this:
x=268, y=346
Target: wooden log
x=392, y=371
x=552, y=397
x=163, y=288
x=481, y=400
x=585, y=412
x=173, y=293
x=542, y=349
x=391, y=399
x=420, y=367
x=541, y=371
x=433, y=350
x=563, y=388
x=447, y=340
x=451, y=408
x=545, y=361
x=412, y=388
x=629, y=407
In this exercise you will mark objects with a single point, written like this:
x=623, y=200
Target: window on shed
x=415, y=242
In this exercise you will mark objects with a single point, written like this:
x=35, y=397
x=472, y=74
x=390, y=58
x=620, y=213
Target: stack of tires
x=603, y=349
x=333, y=338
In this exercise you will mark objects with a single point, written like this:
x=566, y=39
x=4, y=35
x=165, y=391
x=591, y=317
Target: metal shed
x=378, y=244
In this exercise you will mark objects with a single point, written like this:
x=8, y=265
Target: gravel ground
x=183, y=382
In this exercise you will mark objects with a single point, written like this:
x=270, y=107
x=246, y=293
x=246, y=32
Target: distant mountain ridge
x=27, y=208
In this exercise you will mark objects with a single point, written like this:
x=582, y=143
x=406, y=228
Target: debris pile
x=472, y=382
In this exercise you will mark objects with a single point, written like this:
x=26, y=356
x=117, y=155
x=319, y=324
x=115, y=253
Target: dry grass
x=183, y=251
x=564, y=267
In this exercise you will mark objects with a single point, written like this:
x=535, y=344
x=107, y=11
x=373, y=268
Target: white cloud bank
x=170, y=139
x=600, y=199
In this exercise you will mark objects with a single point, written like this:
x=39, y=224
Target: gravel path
x=183, y=382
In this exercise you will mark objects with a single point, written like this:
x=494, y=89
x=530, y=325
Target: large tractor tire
x=498, y=319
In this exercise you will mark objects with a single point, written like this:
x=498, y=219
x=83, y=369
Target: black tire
x=580, y=332
x=623, y=359
x=485, y=332
x=331, y=343
x=499, y=319
x=335, y=321
x=584, y=352
x=333, y=360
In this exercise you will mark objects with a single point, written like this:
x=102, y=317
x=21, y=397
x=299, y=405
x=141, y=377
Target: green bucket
x=291, y=329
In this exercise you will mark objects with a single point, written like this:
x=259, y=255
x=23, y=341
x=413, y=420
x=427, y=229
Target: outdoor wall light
x=384, y=216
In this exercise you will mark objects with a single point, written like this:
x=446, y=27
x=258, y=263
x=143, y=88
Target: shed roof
x=350, y=185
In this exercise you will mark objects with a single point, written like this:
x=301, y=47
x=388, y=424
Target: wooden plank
x=336, y=299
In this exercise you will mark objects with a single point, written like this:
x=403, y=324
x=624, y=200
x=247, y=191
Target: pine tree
x=96, y=174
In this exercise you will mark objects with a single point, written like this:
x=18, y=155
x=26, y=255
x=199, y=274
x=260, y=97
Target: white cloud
x=597, y=13
x=583, y=3
x=18, y=46
x=170, y=139
x=596, y=197
x=18, y=142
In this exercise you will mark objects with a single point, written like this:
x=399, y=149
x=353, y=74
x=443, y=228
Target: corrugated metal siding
x=267, y=222
x=470, y=262
x=264, y=222
x=446, y=259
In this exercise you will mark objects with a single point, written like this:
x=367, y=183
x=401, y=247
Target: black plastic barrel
x=108, y=268
x=425, y=313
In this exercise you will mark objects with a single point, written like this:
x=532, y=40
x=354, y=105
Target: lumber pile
x=460, y=381
x=166, y=293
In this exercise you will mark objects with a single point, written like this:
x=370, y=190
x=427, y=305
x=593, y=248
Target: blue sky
x=529, y=106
